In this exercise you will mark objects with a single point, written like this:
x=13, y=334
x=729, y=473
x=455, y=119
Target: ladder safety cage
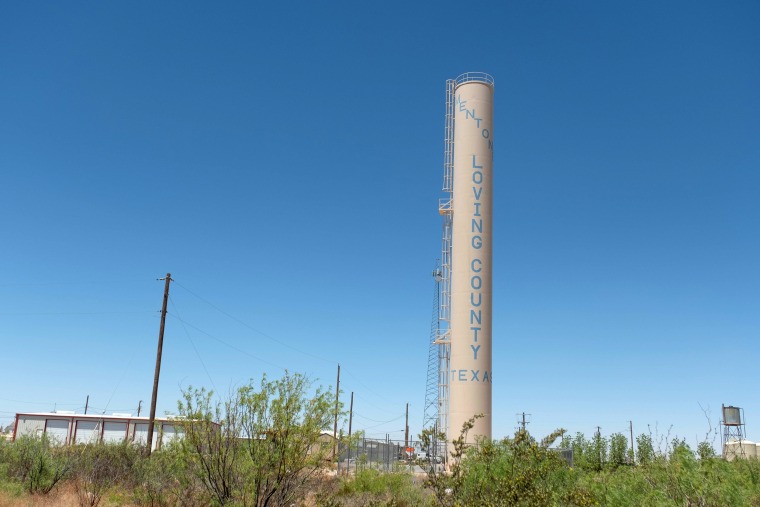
x=446, y=209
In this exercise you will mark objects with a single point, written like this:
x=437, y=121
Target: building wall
x=30, y=425
x=326, y=445
x=89, y=429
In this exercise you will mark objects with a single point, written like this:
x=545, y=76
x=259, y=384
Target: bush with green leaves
x=261, y=446
x=619, y=451
x=374, y=488
x=644, y=449
x=36, y=463
x=166, y=480
x=98, y=468
x=518, y=471
x=678, y=479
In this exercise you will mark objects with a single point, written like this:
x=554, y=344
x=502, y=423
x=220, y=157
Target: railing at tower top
x=474, y=77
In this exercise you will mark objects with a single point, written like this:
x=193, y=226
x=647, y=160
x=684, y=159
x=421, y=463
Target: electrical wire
x=35, y=314
x=233, y=347
x=245, y=324
x=239, y=321
x=386, y=422
x=123, y=374
x=366, y=387
x=375, y=420
x=193, y=344
x=41, y=402
x=78, y=282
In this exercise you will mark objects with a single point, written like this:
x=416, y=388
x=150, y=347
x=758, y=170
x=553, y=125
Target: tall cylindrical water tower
x=470, y=375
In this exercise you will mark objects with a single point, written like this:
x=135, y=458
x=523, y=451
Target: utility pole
x=406, y=432
x=598, y=444
x=139, y=408
x=87, y=404
x=633, y=451
x=335, y=426
x=388, y=448
x=522, y=421
x=154, y=396
x=350, y=422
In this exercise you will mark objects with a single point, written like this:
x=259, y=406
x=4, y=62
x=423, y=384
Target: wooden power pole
x=633, y=451
x=406, y=430
x=350, y=423
x=335, y=426
x=152, y=420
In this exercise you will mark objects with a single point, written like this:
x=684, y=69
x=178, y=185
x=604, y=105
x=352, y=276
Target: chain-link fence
x=388, y=456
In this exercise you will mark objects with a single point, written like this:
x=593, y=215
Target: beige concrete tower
x=470, y=374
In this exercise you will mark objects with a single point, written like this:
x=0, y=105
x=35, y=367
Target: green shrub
x=515, y=471
x=98, y=468
x=644, y=449
x=618, y=450
x=165, y=480
x=374, y=488
x=36, y=464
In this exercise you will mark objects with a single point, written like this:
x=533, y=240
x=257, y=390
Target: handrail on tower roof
x=476, y=77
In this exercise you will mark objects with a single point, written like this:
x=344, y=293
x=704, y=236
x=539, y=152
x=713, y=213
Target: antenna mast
x=430, y=418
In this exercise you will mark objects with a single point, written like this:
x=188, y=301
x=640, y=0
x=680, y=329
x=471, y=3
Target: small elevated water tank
x=732, y=416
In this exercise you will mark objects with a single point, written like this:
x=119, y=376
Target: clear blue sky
x=283, y=162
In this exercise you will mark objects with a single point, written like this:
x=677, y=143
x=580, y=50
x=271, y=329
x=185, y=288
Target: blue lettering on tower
x=460, y=375
x=477, y=229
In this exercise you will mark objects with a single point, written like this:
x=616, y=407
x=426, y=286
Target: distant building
x=740, y=449
x=326, y=445
x=66, y=428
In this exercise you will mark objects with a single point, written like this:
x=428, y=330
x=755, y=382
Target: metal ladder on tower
x=439, y=351
x=446, y=210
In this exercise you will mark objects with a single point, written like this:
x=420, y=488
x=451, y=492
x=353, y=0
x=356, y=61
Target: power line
x=242, y=351
x=387, y=422
x=77, y=282
x=233, y=347
x=245, y=324
x=41, y=402
x=374, y=420
x=285, y=344
x=37, y=314
x=367, y=388
x=193, y=344
x=121, y=379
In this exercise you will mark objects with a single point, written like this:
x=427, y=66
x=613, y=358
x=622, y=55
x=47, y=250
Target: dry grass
x=60, y=497
x=64, y=496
